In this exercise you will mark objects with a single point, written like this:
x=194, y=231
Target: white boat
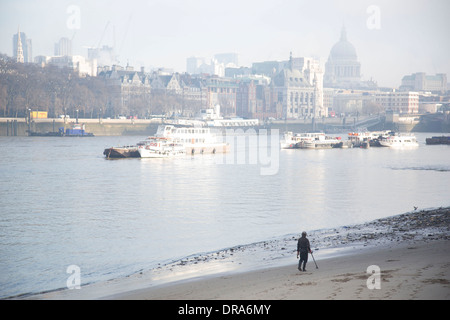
x=291, y=140
x=158, y=147
x=400, y=141
x=309, y=141
x=321, y=141
x=212, y=118
x=193, y=139
x=368, y=138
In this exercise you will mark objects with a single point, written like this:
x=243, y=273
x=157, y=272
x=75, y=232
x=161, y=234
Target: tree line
x=61, y=91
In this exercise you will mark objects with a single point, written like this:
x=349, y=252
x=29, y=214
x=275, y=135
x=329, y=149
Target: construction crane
x=101, y=38
x=103, y=34
x=126, y=33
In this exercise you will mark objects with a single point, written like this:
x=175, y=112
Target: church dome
x=343, y=50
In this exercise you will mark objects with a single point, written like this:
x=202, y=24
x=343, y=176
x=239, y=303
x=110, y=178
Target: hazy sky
x=392, y=38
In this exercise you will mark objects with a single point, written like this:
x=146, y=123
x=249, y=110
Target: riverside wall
x=20, y=127
x=118, y=127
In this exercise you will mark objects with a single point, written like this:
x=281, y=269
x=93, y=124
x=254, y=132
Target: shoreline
x=405, y=273
x=387, y=237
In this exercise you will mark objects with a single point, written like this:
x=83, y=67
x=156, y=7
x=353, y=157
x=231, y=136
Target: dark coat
x=303, y=245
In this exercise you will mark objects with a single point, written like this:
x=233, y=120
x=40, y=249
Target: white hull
x=160, y=154
x=287, y=145
x=400, y=142
x=319, y=144
x=308, y=141
x=195, y=140
x=399, y=145
x=207, y=148
x=158, y=147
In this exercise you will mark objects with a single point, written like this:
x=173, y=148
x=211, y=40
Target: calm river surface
x=62, y=203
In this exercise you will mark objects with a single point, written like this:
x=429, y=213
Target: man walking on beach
x=303, y=249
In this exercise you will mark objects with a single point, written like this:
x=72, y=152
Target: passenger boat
x=320, y=141
x=310, y=141
x=194, y=139
x=292, y=140
x=169, y=141
x=400, y=141
x=368, y=139
x=159, y=147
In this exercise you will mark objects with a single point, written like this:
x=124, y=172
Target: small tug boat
x=77, y=130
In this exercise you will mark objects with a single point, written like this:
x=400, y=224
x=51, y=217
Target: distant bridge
x=354, y=125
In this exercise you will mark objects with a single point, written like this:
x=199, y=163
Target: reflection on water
x=64, y=204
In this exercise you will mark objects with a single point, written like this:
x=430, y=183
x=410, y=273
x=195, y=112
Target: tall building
x=20, y=57
x=228, y=59
x=63, y=47
x=342, y=69
x=193, y=64
x=20, y=41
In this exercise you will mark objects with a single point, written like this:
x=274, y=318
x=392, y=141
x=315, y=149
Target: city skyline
x=391, y=40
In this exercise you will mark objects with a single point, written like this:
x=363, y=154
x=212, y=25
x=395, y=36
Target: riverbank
x=411, y=251
x=98, y=127
x=119, y=127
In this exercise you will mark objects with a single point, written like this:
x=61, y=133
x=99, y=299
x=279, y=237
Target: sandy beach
x=419, y=271
x=401, y=257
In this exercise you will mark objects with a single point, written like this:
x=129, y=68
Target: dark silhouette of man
x=303, y=249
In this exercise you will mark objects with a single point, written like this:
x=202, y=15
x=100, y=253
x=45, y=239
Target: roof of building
x=343, y=50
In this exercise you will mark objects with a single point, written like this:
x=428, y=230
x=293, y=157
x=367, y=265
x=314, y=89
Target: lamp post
x=29, y=121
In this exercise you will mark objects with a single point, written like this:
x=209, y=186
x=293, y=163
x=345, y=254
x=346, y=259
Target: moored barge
x=438, y=140
x=121, y=152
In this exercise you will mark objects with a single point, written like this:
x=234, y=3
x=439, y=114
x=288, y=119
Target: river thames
x=63, y=204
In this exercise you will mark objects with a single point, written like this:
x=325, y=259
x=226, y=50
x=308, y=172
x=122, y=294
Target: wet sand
x=414, y=271
x=407, y=255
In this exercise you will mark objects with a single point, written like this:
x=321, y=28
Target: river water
x=62, y=203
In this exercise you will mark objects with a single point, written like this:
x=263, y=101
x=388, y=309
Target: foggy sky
x=412, y=35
